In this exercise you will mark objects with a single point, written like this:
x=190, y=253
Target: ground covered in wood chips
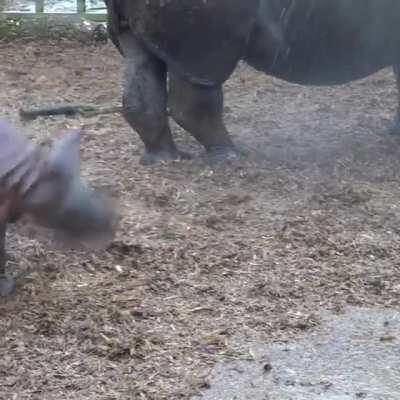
x=307, y=221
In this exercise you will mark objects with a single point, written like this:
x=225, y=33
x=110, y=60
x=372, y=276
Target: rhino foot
x=151, y=158
x=222, y=155
x=7, y=286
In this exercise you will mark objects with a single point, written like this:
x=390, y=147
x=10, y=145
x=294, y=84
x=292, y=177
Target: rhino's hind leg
x=7, y=284
x=145, y=100
x=395, y=127
x=199, y=110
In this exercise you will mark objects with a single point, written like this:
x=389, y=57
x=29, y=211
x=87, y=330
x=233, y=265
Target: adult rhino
x=198, y=44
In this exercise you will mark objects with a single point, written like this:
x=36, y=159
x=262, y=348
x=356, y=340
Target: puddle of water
x=352, y=356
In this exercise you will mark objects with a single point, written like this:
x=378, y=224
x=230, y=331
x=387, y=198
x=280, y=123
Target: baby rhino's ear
x=64, y=157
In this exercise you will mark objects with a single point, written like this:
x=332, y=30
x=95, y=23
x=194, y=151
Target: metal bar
x=98, y=17
x=39, y=6
x=81, y=6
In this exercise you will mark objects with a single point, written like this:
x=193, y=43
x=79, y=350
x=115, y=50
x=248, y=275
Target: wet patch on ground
x=351, y=356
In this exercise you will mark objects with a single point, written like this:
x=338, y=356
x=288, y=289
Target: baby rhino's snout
x=61, y=200
x=85, y=218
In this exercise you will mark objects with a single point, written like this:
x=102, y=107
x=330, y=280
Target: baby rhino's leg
x=7, y=284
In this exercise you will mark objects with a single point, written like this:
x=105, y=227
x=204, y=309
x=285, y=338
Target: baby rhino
x=45, y=184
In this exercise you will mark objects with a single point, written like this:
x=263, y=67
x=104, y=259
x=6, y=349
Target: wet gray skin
x=45, y=184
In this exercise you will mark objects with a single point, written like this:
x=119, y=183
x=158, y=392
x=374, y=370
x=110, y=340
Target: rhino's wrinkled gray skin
x=198, y=43
x=46, y=185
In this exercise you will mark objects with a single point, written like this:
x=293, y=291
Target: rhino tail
x=114, y=23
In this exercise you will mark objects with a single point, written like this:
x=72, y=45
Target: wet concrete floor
x=351, y=356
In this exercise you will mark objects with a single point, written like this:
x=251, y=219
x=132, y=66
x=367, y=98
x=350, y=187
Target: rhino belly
x=322, y=68
x=323, y=42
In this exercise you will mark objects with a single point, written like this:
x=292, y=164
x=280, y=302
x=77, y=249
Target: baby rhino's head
x=63, y=202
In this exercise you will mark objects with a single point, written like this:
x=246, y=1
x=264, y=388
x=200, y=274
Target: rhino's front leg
x=395, y=128
x=145, y=100
x=199, y=110
x=7, y=284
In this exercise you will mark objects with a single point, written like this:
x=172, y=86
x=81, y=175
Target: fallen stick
x=67, y=109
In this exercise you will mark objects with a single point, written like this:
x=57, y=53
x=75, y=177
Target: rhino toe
x=394, y=129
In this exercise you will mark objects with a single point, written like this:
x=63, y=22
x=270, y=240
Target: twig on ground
x=84, y=110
